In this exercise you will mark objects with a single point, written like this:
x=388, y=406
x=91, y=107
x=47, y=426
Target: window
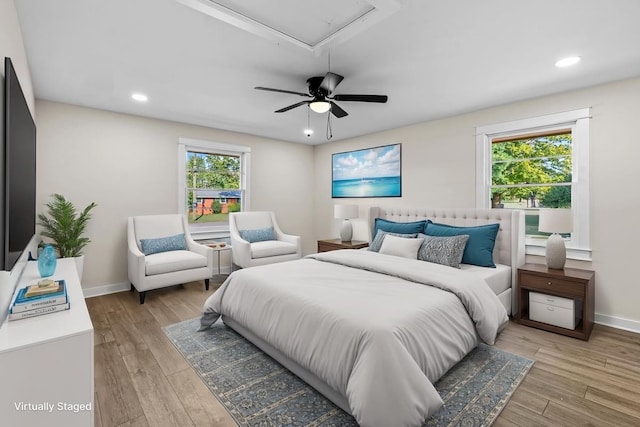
x=536, y=163
x=213, y=181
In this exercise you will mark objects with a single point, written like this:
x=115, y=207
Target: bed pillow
x=376, y=243
x=443, y=250
x=258, y=234
x=399, y=227
x=163, y=244
x=400, y=246
x=482, y=240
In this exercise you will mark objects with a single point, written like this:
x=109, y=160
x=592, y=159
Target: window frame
x=579, y=246
x=212, y=147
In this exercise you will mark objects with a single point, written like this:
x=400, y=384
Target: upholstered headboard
x=510, y=242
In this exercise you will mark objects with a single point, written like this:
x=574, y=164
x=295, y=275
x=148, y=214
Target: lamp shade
x=555, y=221
x=345, y=211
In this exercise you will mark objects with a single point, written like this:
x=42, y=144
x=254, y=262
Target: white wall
x=128, y=166
x=11, y=45
x=439, y=171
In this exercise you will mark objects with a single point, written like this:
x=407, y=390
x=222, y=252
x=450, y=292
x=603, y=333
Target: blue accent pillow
x=479, y=248
x=163, y=244
x=399, y=227
x=258, y=234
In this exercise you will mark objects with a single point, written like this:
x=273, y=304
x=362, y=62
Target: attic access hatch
x=310, y=25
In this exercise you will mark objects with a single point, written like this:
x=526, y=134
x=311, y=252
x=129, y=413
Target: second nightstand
x=570, y=284
x=334, y=244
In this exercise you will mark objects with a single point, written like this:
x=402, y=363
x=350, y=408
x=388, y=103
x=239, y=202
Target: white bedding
x=498, y=279
x=380, y=340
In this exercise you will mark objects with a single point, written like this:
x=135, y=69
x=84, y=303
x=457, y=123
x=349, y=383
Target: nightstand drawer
x=562, y=312
x=552, y=284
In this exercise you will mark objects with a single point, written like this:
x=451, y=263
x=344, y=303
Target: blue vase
x=47, y=261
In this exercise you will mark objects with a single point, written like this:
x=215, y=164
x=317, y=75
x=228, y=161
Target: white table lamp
x=556, y=221
x=345, y=212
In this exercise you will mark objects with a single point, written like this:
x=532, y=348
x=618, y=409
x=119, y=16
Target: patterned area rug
x=258, y=391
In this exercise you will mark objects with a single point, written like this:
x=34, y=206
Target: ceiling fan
x=321, y=91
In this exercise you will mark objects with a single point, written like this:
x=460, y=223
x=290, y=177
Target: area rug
x=258, y=391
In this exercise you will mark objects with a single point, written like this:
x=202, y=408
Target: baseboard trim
x=617, y=322
x=96, y=291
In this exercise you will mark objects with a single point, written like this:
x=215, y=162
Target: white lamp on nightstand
x=556, y=221
x=345, y=212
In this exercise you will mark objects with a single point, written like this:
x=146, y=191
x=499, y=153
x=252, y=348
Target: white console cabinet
x=46, y=362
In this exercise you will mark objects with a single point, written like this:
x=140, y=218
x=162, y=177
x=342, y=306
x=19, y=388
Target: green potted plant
x=65, y=226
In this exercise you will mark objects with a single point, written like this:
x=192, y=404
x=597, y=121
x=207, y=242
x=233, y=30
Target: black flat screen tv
x=19, y=222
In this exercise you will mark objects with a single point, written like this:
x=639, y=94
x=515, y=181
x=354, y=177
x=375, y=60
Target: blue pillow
x=258, y=234
x=163, y=244
x=482, y=240
x=399, y=227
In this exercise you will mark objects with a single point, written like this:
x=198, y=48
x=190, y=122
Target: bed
x=370, y=331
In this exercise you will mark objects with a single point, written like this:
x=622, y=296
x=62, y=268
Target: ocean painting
x=372, y=172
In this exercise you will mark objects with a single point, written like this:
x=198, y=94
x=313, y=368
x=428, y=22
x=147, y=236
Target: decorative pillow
x=163, y=244
x=443, y=250
x=258, y=234
x=482, y=240
x=400, y=246
x=399, y=227
x=377, y=241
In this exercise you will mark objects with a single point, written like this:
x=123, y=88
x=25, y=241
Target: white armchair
x=159, y=257
x=261, y=248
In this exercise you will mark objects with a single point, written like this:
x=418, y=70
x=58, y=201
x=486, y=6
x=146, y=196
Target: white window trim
x=189, y=144
x=579, y=247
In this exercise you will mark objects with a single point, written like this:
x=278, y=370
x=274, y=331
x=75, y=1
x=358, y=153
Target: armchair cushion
x=271, y=248
x=258, y=234
x=163, y=244
x=170, y=261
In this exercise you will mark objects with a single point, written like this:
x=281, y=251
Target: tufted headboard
x=510, y=241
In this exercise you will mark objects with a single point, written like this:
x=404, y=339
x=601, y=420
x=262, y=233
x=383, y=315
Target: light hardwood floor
x=141, y=380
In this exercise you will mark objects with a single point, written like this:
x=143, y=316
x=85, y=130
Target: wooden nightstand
x=334, y=244
x=571, y=283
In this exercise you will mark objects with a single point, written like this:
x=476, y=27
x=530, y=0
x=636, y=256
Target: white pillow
x=401, y=246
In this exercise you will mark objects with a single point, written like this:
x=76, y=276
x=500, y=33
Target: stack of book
x=44, y=297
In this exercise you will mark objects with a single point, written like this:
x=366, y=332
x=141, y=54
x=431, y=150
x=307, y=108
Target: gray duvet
x=378, y=329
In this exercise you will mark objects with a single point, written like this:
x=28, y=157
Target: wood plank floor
x=142, y=380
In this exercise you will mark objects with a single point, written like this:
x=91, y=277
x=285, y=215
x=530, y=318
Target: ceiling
x=432, y=58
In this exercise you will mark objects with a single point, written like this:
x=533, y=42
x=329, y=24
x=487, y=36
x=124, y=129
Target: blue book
x=23, y=303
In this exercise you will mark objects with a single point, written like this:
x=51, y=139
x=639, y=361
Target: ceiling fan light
x=320, y=106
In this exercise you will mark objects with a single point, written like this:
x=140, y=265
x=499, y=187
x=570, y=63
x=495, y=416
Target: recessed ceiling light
x=308, y=132
x=567, y=62
x=140, y=97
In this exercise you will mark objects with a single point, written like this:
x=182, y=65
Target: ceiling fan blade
x=330, y=81
x=290, y=107
x=362, y=98
x=337, y=111
x=282, y=91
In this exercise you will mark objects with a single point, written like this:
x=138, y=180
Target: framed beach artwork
x=370, y=172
